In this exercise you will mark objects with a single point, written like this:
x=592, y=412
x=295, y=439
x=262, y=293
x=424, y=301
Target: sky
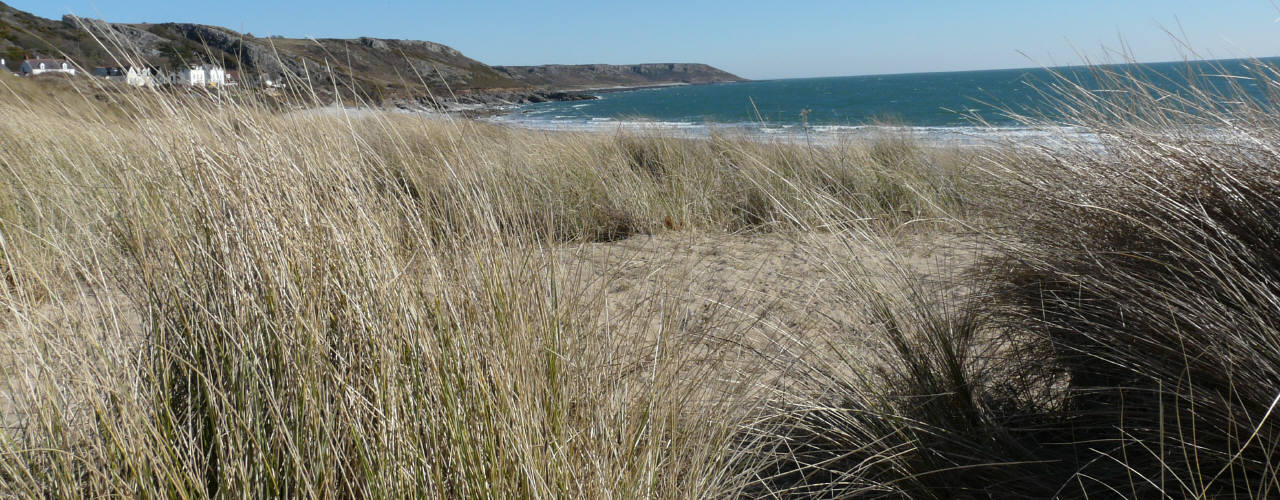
x=759, y=39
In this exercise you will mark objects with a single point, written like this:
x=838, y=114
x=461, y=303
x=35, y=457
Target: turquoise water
x=933, y=101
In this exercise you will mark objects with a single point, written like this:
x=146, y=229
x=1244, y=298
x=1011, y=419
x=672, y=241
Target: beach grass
x=206, y=295
x=209, y=294
x=1116, y=338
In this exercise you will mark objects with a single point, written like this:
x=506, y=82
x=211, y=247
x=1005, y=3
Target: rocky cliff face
x=377, y=68
x=607, y=75
x=125, y=40
x=373, y=66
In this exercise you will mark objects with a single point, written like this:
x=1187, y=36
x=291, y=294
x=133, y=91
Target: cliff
x=380, y=69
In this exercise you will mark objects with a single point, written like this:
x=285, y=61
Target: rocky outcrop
x=437, y=48
x=522, y=97
x=488, y=99
x=128, y=40
x=254, y=56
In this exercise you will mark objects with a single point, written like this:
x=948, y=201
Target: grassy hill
x=377, y=68
x=23, y=35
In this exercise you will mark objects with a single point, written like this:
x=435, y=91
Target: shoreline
x=488, y=104
x=963, y=135
x=817, y=135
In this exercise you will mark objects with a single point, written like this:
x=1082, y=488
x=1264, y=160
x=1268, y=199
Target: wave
x=958, y=135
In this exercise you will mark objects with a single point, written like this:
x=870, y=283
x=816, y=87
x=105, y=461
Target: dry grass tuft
x=1119, y=339
x=204, y=294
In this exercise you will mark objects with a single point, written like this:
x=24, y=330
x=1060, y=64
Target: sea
x=962, y=106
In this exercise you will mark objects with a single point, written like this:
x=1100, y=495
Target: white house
x=276, y=82
x=129, y=75
x=33, y=67
x=201, y=75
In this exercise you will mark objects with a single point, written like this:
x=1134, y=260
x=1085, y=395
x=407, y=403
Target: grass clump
x=1118, y=340
x=210, y=294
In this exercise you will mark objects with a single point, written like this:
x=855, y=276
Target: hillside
x=378, y=67
x=589, y=76
x=381, y=69
x=23, y=35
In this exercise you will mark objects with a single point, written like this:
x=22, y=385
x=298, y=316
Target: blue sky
x=753, y=38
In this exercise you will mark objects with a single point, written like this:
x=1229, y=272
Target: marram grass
x=213, y=296
x=205, y=296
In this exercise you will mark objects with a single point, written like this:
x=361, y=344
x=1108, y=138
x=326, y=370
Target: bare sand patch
x=753, y=305
x=734, y=306
x=54, y=354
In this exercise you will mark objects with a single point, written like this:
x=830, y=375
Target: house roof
x=47, y=62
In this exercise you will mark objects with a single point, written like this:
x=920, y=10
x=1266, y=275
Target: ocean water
x=958, y=105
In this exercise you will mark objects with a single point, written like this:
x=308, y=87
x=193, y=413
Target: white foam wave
x=958, y=135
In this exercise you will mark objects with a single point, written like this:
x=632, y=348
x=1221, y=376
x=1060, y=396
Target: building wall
x=42, y=69
x=135, y=78
x=138, y=79
x=191, y=76
x=217, y=76
x=203, y=76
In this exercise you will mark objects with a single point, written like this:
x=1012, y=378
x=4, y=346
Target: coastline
x=483, y=104
x=828, y=135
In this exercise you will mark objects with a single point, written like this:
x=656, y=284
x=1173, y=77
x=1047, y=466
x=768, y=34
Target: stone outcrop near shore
x=483, y=103
x=598, y=76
